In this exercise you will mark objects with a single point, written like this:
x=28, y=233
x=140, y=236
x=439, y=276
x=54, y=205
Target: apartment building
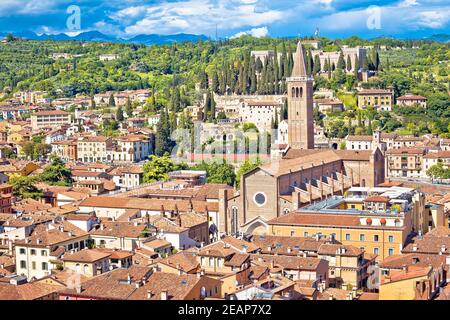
x=49, y=119
x=412, y=100
x=261, y=113
x=405, y=163
x=66, y=150
x=380, y=99
x=132, y=149
x=94, y=149
x=376, y=220
x=35, y=255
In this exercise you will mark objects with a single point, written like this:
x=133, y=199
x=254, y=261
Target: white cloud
x=196, y=16
x=433, y=19
x=255, y=32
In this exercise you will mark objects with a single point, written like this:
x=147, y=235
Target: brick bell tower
x=300, y=104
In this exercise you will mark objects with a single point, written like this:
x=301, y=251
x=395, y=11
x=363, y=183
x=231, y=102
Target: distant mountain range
x=150, y=39
x=96, y=36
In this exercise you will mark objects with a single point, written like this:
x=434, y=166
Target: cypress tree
x=112, y=101
x=128, y=108
x=119, y=114
x=349, y=63
x=357, y=67
x=317, y=67
x=215, y=82
x=341, y=62
x=163, y=143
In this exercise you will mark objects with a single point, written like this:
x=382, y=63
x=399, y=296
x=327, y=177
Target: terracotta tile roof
x=374, y=91
x=52, y=235
x=51, y=113
x=157, y=244
x=347, y=251
x=377, y=199
x=360, y=138
x=429, y=245
x=186, y=262
x=411, y=97
x=411, y=273
x=217, y=249
x=64, y=276
x=211, y=191
x=439, y=232
x=7, y=261
x=287, y=262
x=438, y=155
x=86, y=256
x=112, y=285
x=115, y=253
x=239, y=244
x=416, y=259
x=119, y=229
x=150, y=204
x=333, y=294
x=280, y=244
x=406, y=151
x=27, y=291
x=167, y=225
x=100, y=139
x=178, y=287
x=237, y=260
x=119, y=171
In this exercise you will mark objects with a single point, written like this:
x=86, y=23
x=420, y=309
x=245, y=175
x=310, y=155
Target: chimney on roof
x=289, y=250
x=38, y=241
x=443, y=248
x=405, y=268
x=102, y=226
x=149, y=294
x=269, y=248
x=129, y=279
x=414, y=247
x=70, y=234
x=164, y=295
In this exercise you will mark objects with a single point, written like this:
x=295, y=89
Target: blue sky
x=334, y=18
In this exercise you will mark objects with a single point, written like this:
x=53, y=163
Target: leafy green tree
x=158, y=168
x=57, y=173
x=439, y=171
x=222, y=173
x=24, y=187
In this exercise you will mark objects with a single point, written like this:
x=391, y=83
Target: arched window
x=293, y=92
x=297, y=92
x=301, y=92
x=85, y=268
x=77, y=268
